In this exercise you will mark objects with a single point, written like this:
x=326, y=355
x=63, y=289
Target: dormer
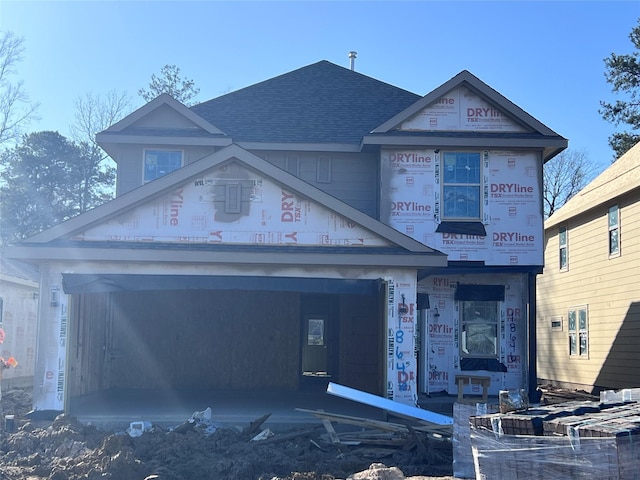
x=156, y=139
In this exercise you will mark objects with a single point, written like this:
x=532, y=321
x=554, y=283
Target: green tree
x=45, y=180
x=564, y=176
x=169, y=81
x=623, y=73
x=15, y=108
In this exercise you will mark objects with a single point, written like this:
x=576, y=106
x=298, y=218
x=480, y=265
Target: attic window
x=323, y=172
x=233, y=198
x=158, y=163
x=292, y=165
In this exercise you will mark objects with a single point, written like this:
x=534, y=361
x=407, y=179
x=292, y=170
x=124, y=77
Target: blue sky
x=547, y=57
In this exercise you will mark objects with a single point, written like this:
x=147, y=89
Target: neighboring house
x=320, y=225
x=18, y=318
x=589, y=295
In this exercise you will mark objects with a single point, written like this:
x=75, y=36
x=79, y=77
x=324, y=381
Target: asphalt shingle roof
x=319, y=103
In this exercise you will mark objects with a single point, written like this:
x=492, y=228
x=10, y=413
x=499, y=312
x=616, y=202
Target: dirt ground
x=65, y=449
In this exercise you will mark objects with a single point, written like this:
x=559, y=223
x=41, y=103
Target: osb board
x=197, y=339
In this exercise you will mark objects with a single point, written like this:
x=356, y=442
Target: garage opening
x=125, y=335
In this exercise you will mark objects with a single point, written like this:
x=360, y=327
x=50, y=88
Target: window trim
x=495, y=323
x=578, y=333
x=292, y=164
x=323, y=168
x=144, y=161
x=610, y=229
x=482, y=160
x=563, y=246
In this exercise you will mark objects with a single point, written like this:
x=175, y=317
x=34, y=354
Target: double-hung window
x=461, y=186
x=563, y=259
x=158, y=163
x=614, y=231
x=578, y=321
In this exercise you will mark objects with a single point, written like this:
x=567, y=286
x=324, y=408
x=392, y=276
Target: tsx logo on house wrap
x=484, y=112
x=511, y=189
x=289, y=212
x=177, y=200
x=460, y=238
x=398, y=208
x=411, y=158
x=510, y=238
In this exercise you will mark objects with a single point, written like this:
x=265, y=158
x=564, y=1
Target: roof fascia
x=107, y=137
x=474, y=83
x=302, y=147
x=164, y=99
x=57, y=253
x=464, y=141
x=168, y=182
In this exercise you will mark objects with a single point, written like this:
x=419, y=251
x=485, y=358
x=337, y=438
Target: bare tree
x=182, y=89
x=95, y=113
x=15, y=108
x=564, y=176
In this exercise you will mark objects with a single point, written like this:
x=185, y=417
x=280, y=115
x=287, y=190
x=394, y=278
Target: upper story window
x=563, y=257
x=158, y=163
x=614, y=230
x=461, y=186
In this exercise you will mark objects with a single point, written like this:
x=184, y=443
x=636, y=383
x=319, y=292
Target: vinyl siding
x=609, y=287
x=354, y=177
x=130, y=162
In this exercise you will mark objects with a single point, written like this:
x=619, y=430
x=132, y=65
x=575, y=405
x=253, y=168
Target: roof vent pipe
x=352, y=59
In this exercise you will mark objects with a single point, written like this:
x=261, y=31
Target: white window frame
x=563, y=248
x=475, y=184
x=147, y=151
x=578, y=331
x=613, y=229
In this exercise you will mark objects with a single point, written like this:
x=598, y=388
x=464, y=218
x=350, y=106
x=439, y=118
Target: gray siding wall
x=353, y=176
x=130, y=162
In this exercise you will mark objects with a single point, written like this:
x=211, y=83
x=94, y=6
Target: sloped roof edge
x=467, y=78
x=169, y=182
x=163, y=99
x=619, y=178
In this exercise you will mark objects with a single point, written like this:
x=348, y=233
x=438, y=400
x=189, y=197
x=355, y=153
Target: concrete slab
x=116, y=409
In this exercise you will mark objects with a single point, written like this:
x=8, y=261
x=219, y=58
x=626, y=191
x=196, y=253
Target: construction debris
x=65, y=449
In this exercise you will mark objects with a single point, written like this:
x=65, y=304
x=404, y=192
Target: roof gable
x=204, y=182
x=619, y=178
x=464, y=103
x=163, y=111
x=318, y=103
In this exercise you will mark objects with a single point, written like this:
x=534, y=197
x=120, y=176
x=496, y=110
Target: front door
x=319, y=340
x=315, y=351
